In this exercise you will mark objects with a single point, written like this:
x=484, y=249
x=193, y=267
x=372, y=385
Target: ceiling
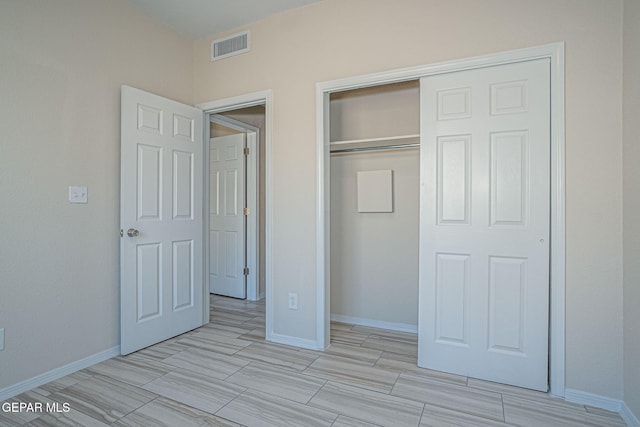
x=200, y=18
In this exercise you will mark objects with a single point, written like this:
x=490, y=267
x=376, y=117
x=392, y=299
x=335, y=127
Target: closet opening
x=445, y=173
x=374, y=205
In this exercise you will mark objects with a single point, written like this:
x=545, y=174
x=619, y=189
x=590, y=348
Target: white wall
x=631, y=110
x=61, y=66
x=332, y=39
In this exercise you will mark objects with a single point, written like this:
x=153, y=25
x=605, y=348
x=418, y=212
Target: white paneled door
x=227, y=222
x=161, y=285
x=484, y=227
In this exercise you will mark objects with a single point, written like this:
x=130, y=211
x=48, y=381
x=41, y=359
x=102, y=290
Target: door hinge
x=246, y=151
x=121, y=232
x=246, y=211
x=246, y=271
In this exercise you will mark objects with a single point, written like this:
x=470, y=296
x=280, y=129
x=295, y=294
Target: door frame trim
x=555, y=52
x=265, y=98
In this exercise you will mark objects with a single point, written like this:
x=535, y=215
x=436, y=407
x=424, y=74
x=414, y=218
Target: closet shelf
x=385, y=139
x=390, y=142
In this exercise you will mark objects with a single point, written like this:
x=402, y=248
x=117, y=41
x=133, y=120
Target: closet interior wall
x=374, y=255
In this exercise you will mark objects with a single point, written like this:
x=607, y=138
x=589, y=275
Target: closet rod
x=381, y=147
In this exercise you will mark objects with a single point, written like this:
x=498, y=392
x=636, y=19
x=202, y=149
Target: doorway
x=236, y=240
x=229, y=106
x=174, y=188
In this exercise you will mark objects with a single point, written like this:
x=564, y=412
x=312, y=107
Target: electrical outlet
x=1, y=339
x=293, y=301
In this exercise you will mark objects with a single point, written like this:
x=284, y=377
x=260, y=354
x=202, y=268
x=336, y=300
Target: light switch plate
x=293, y=301
x=78, y=194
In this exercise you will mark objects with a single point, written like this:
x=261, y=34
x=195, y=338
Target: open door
x=161, y=283
x=227, y=234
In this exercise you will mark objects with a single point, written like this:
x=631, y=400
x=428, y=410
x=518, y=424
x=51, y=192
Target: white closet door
x=484, y=228
x=227, y=241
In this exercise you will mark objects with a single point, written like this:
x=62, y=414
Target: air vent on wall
x=229, y=46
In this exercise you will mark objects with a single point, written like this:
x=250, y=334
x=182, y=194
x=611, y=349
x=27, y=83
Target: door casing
x=555, y=52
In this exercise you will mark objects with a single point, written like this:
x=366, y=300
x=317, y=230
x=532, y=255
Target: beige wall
x=631, y=140
x=374, y=256
x=61, y=66
x=376, y=112
x=336, y=38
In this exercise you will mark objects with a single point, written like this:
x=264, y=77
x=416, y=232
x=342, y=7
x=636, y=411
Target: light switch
x=78, y=195
x=293, y=301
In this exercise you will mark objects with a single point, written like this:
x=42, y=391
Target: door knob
x=132, y=232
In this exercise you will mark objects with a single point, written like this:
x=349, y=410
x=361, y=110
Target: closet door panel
x=485, y=199
x=453, y=179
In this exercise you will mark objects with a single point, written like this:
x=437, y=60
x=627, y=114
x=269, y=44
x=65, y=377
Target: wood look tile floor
x=226, y=374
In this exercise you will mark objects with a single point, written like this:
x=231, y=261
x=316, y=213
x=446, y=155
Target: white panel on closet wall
x=375, y=191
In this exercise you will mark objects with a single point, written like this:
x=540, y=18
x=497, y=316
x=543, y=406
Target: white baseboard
x=590, y=399
x=403, y=327
x=70, y=368
x=295, y=342
x=602, y=402
x=628, y=416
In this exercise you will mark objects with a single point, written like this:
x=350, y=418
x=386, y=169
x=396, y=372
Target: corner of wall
x=628, y=416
